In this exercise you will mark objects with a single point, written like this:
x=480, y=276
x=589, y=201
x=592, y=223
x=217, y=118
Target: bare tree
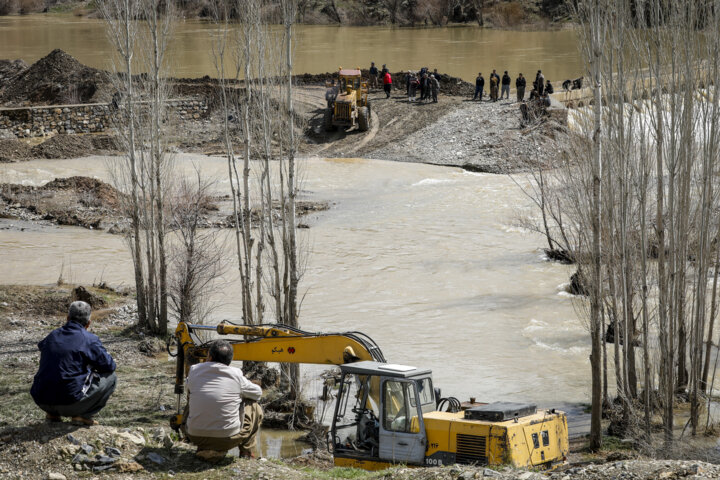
x=141, y=122
x=196, y=255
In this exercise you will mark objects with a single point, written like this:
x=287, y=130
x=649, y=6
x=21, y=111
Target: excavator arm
x=272, y=343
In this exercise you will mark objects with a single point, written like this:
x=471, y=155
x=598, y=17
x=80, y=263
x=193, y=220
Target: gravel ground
x=482, y=136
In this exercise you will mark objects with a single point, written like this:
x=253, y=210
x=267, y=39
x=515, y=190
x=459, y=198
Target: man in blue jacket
x=76, y=375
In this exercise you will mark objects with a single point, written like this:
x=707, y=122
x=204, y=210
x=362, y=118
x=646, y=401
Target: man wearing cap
x=76, y=375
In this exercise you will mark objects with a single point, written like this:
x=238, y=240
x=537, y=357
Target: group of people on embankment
x=541, y=88
x=423, y=81
x=428, y=85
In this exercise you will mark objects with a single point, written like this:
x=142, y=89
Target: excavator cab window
x=397, y=405
x=425, y=389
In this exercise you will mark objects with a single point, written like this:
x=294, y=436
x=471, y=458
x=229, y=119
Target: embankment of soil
x=78, y=201
x=480, y=136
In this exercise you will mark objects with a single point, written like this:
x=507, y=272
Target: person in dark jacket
x=479, y=87
x=76, y=375
x=424, y=87
x=373, y=75
x=540, y=83
x=505, y=86
x=549, y=88
x=520, y=84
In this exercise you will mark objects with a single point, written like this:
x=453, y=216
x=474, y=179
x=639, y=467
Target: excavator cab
x=379, y=415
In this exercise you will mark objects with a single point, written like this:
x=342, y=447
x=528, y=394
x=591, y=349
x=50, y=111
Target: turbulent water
x=427, y=260
x=458, y=51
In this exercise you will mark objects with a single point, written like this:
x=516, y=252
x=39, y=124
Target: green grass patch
x=612, y=444
x=62, y=8
x=343, y=472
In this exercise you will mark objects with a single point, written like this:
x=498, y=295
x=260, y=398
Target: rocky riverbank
x=133, y=440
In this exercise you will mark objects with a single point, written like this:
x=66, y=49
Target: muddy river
x=460, y=51
x=427, y=260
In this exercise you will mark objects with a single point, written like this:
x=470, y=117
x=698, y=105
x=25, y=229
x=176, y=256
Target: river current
x=427, y=260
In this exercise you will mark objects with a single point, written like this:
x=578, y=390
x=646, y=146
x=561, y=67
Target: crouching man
x=223, y=412
x=76, y=375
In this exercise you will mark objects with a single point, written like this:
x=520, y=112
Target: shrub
x=8, y=6
x=30, y=6
x=509, y=14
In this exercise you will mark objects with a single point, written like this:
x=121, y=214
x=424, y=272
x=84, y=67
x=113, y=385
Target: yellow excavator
x=386, y=413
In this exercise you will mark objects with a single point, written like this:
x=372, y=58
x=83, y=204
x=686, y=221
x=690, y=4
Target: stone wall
x=89, y=118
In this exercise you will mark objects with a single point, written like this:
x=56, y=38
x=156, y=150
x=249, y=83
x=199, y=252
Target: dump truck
x=387, y=413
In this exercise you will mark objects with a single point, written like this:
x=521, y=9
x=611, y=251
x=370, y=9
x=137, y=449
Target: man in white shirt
x=223, y=410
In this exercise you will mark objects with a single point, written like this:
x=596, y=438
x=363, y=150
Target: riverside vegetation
x=489, y=13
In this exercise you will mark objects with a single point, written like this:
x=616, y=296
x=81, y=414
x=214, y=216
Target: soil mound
x=104, y=143
x=9, y=69
x=79, y=201
x=14, y=150
x=55, y=80
x=105, y=195
x=64, y=146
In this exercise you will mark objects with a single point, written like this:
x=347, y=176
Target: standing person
x=222, y=408
x=424, y=86
x=540, y=83
x=387, y=83
x=434, y=87
x=505, y=86
x=76, y=374
x=479, y=87
x=494, y=88
x=494, y=74
x=413, y=87
x=373, y=75
x=520, y=87
x=331, y=94
x=383, y=71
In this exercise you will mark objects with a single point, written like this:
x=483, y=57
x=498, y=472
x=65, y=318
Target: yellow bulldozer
x=388, y=413
x=350, y=106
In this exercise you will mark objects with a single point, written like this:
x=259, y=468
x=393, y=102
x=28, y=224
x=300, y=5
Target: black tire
x=327, y=120
x=364, y=119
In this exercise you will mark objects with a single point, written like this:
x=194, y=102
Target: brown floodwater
x=427, y=260
x=460, y=51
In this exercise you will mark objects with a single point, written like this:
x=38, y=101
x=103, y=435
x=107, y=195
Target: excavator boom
x=282, y=343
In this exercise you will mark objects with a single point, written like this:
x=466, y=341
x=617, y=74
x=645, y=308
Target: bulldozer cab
x=379, y=414
x=351, y=83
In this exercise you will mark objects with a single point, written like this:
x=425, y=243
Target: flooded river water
x=460, y=51
x=426, y=260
